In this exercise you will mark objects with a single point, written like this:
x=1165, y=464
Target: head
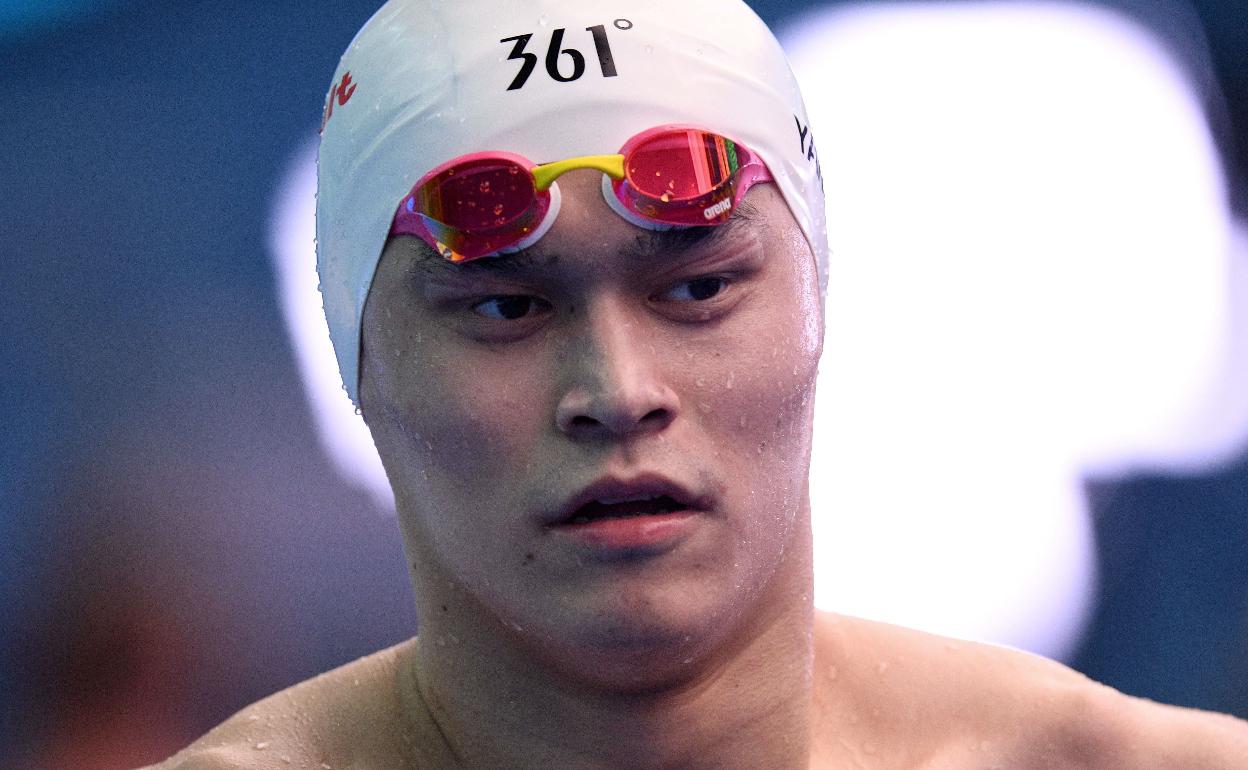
x=497, y=389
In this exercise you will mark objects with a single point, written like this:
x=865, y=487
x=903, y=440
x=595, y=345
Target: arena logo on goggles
x=719, y=208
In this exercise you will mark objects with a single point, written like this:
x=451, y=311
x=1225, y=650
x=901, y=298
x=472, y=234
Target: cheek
x=766, y=385
x=760, y=409
x=461, y=421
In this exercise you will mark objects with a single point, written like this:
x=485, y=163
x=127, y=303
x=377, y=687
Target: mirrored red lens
x=478, y=207
x=478, y=196
x=681, y=165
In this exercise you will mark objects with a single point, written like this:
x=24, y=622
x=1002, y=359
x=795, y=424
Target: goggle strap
x=611, y=165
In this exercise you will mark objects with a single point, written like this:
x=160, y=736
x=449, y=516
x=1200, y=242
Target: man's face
x=615, y=353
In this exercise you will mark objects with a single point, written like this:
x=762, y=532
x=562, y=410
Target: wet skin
x=695, y=357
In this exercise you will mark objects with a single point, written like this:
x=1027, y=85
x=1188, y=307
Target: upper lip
x=614, y=488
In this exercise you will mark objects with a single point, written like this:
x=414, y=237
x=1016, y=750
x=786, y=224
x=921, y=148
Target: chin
x=641, y=644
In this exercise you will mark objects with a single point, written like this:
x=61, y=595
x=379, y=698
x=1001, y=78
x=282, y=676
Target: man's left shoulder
x=1103, y=727
x=982, y=705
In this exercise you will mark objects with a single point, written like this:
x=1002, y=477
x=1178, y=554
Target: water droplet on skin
x=881, y=667
x=731, y=376
x=705, y=407
x=498, y=209
x=741, y=422
x=484, y=186
x=262, y=745
x=701, y=382
x=666, y=197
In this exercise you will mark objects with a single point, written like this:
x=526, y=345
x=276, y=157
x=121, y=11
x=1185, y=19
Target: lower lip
x=631, y=532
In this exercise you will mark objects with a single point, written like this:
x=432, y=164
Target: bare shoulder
x=1137, y=732
x=345, y=717
x=934, y=702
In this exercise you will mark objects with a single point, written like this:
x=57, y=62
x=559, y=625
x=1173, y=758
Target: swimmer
x=574, y=262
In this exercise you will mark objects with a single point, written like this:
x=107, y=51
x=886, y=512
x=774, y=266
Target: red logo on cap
x=341, y=93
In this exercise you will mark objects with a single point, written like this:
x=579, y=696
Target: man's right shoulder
x=223, y=758
x=350, y=711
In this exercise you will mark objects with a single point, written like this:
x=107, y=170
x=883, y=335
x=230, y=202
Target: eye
x=510, y=307
x=703, y=288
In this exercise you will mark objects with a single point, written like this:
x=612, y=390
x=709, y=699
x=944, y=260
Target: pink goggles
x=486, y=202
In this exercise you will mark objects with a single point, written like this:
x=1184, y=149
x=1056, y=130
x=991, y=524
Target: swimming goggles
x=484, y=203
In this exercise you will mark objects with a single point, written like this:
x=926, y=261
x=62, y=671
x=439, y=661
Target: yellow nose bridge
x=547, y=173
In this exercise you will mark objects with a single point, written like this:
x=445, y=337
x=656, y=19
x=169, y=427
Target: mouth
x=648, y=494
x=596, y=511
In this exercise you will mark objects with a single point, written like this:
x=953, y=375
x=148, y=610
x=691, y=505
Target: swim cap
x=425, y=81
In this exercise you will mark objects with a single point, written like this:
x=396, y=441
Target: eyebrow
x=648, y=246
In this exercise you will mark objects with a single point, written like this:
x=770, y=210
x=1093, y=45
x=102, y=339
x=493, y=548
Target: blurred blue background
x=162, y=485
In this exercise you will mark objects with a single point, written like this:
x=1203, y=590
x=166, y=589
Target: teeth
x=613, y=501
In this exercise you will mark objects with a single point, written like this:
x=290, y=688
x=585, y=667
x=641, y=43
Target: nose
x=615, y=373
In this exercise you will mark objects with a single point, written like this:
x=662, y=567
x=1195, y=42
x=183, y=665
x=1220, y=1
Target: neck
x=476, y=698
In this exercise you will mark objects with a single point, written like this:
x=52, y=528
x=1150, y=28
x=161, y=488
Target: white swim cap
x=425, y=81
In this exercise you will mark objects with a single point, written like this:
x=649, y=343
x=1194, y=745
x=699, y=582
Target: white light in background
x=1028, y=285
x=292, y=243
